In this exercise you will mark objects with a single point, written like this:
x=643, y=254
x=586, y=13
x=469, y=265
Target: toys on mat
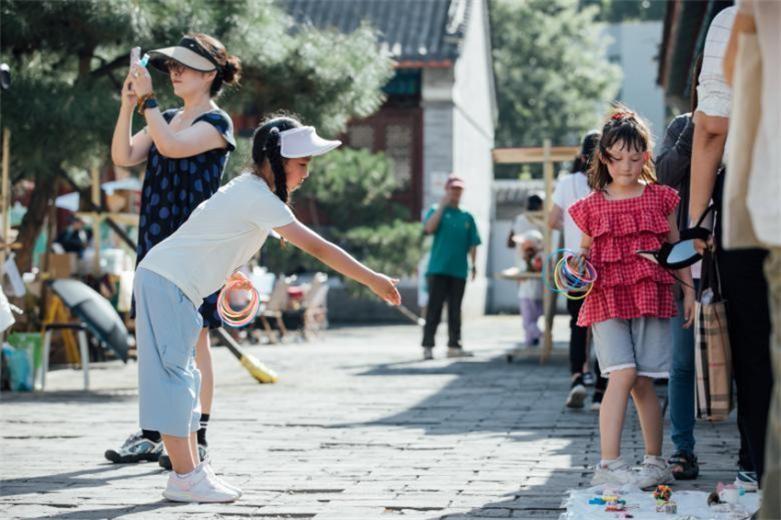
x=612, y=502
x=663, y=494
x=726, y=494
x=669, y=507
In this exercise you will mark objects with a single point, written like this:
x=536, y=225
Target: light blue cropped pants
x=167, y=328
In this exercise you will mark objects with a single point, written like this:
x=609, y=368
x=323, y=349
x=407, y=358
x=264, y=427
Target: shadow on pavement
x=109, y=512
x=87, y=478
x=76, y=396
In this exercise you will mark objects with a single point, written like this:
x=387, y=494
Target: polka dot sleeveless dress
x=173, y=188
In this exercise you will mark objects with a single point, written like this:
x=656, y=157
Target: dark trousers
x=745, y=291
x=578, y=340
x=444, y=289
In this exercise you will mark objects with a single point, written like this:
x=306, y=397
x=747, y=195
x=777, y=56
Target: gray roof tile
x=420, y=31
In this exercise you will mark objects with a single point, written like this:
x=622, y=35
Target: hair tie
x=272, y=139
x=618, y=116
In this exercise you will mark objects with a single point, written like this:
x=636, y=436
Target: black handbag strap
x=710, y=277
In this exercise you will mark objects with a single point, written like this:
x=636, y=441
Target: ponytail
x=266, y=146
x=273, y=153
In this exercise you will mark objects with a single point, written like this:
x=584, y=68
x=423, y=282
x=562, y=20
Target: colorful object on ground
x=241, y=317
x=669, y=508
x=569, y=275
x=663, y=493
x=613, y=503
x=641, y=504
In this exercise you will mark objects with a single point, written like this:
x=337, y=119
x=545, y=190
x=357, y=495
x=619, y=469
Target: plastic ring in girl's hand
x=575, y=282
x=237, y=317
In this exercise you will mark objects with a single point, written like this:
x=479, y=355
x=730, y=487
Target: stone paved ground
x=356, y=428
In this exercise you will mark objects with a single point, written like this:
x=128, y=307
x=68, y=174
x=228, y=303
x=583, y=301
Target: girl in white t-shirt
x=219, y=237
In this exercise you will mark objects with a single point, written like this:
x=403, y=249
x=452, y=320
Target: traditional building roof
x=418, y=33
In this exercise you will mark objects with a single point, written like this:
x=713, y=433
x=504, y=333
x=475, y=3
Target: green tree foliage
x=69, y=58
x=353, y=190
x=551, y=70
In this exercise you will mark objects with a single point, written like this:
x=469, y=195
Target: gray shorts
x=167, y=328
x=644, y=344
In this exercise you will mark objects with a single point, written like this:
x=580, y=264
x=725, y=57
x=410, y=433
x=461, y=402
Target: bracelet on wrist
x=146, y=101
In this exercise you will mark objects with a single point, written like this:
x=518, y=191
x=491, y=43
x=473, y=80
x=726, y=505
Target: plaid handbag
x=712, y=354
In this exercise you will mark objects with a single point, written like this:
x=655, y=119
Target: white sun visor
x=304, y=142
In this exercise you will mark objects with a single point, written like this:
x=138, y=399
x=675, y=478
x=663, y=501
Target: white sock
x=654, y=459
x=190, y=474
x=606, y=463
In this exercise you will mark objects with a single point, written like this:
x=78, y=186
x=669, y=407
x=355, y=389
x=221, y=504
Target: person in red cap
x=455, y=238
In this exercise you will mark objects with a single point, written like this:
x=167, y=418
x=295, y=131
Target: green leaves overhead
x=551, y=68
x=69, y=58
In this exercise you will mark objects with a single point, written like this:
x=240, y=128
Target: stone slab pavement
x=358, y=428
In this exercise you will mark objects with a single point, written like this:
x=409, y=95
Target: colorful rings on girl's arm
x=237, y=317
x=565, y=276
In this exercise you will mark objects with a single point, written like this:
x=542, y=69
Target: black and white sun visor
x=188, y=52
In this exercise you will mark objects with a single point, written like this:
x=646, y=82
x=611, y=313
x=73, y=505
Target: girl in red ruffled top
x=631, y=303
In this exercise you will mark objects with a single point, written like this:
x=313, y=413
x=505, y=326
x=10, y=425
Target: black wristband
x=148, y=102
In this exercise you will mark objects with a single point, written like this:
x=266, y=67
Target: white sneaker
x=747, y=480
x=616, y=473
x=576, y=397
x=455, y=352
x=653, y=472
x=220, y=480
x=198, y=486
x=428, y=353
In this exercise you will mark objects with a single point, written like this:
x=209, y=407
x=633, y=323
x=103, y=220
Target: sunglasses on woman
x=174, y=66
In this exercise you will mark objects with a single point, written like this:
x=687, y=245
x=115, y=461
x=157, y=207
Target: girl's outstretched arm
x=339, y=260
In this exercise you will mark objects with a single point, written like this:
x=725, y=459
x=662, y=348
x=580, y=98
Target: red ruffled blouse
x=628, y=285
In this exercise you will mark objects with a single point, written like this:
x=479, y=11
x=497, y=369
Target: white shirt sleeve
x=558, y=193
x=713, y=93
x=271, y=213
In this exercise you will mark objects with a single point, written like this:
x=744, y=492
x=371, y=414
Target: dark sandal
x=684, y=466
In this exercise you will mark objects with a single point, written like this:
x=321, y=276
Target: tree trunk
x=32, y=222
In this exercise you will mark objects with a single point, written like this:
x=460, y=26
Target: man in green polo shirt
x=455, y=238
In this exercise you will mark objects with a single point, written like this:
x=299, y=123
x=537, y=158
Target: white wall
x=473, y=133
x=635, y=49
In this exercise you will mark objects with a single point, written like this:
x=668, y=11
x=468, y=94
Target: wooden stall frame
x=547, y=155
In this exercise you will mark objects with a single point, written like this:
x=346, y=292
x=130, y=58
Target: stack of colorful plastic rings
x=237, y=317
x=566, y=278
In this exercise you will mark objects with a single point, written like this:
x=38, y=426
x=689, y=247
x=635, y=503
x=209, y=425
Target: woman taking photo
x=186, y=150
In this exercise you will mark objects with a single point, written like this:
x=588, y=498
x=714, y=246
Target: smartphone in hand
x=135, y=55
